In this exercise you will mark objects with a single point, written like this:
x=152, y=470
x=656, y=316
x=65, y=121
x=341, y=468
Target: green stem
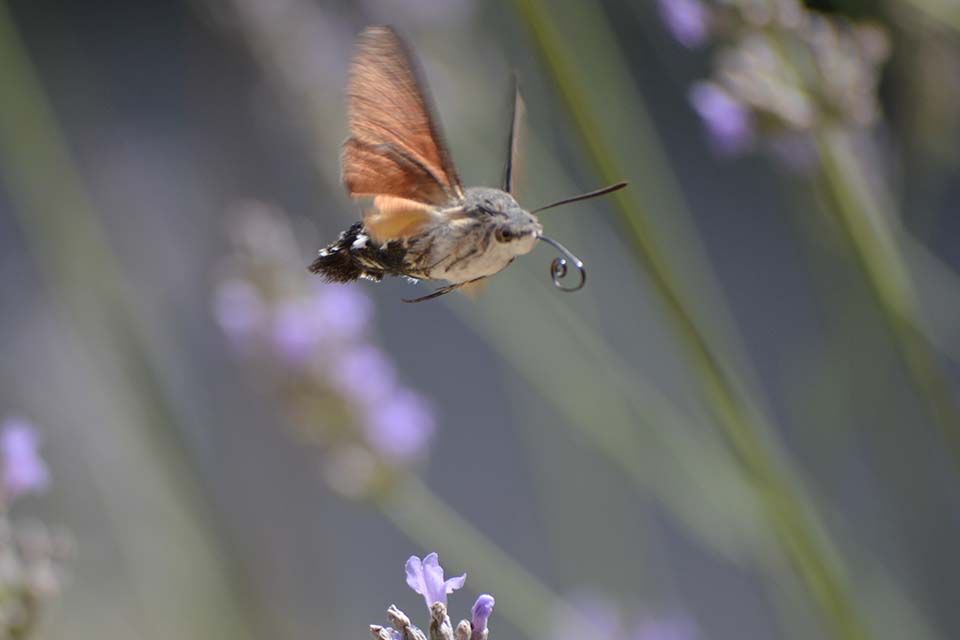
x=744, y=428
x=62, y=229
x=873, y=238
x=426, y=519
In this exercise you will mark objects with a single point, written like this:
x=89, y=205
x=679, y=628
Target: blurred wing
x=393, y=218
x=395, y=147
x=515, y=141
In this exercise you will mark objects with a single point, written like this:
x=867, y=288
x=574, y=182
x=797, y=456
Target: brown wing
x=395, y=147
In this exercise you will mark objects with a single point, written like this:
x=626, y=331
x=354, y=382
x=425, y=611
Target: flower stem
x=130, y=467
x=800, y=538
x=873, y=237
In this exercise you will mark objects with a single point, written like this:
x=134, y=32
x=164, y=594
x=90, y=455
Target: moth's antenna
x=515, y=139
x=584, y=196
x=558, y=268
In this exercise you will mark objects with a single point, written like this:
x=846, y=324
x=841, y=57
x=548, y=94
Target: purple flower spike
x=426, y=578
x=346, y=311
x=239, y=310
x=687, y=20
x=482, y=609
x=400, y=429
x=728, y=122
x=24, y=471
x=296, y=332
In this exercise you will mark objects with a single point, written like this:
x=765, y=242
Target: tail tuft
x=349, y=258
x=335, y=264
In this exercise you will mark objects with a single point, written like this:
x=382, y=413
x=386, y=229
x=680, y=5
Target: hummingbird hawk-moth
x=422, y=223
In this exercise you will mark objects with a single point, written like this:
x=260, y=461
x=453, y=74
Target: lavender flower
x=31, y=556
x=328, y=314
x=401, y=427
x=480, y=615
x=782, y=72
x=239, y=310
x=346, y=311
x=24, y=471
x=337, y=382
x=728, y=123
x=366, y=374
x=687, y=20
x=426, y=578
x=296, y=331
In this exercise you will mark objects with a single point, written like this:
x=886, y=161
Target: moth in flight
x=421, y=222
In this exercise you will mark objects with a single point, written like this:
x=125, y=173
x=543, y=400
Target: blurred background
x=745, y=426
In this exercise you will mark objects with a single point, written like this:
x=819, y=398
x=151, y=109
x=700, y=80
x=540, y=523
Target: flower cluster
x=781, y=72
x=426, y=578
x=31, y=556
x=314, y=340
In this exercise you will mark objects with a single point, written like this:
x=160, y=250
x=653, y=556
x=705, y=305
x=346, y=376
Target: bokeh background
x=745, y=426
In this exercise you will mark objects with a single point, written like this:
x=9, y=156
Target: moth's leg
x=444, y=290
x=436, y=294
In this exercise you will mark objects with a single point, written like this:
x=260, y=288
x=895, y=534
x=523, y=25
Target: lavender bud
x=440, y=627
x=385, y=633
x=24, y=471
x=463, y=630
x=687, y=20
x=482, y=610
x=401, y=623
x=729, y=123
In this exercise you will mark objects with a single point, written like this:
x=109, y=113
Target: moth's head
x=512, y=225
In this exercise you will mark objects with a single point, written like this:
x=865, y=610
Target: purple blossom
x=296, y=331
x=728, y=122
x=426, y=578
x=400, y=428
x=331, y=315
x=239, y=310
x=365, y=374
x=346, y=312
x=687, y=20
x=482, y=609
x=24, y=471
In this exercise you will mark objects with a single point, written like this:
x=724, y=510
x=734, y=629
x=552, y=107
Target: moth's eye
x=504, y=235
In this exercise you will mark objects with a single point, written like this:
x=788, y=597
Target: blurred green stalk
x=793, y=521
x=68, y=243
x=943, y=12
x=871, y=230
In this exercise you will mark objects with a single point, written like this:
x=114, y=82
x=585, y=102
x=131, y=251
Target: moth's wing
x=516, y=141
x=393, y=218
x=373, y=169
x=395, y=146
